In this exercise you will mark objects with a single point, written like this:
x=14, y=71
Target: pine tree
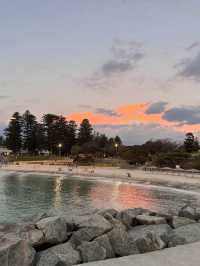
x=29, y=132
x=85, y=132
x=13, y=133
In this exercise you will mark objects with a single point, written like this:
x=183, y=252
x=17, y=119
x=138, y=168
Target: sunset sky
x=130, y=66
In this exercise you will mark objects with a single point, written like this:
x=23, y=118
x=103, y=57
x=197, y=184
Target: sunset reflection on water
x=120, y=196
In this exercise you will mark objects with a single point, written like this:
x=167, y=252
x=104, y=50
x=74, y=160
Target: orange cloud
x=128, y=114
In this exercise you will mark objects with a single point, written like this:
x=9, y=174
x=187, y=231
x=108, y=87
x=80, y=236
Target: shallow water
x=23, y=194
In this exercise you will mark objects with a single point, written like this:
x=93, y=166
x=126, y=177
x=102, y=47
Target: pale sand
x=184, y=181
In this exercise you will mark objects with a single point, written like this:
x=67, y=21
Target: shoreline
x=185, y=182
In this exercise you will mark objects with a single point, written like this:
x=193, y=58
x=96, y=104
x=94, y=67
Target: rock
x=147, y=242
x=15, y=252
x=62, y=255
x=82, y=235
x=90, y=228
x=34, y=236
x=147, y=219
x=73, y=221
x=98, y=223
x=54, y=229
x=185, y=234
x=161, y=230
x=104, y=242
x=112, y=212
x=115, y=222
x=188, y=212
x=181, y=221
x=121, y=243
x=128, y=217
x=92, y=251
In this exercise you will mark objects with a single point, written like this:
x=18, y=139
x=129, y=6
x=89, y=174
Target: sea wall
x=52, y=240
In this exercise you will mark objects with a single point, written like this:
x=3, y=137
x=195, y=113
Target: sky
x=132, y=67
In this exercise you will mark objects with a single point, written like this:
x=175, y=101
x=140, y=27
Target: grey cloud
x=4, y=97
x=190, y=67
x=114, y=66
x=107, y=112
x=156, y=108
x=184, y=115
x=192, y=46
x=125, y=57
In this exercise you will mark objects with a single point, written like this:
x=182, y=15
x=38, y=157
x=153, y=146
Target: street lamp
x=60, y=148
x=116, y=147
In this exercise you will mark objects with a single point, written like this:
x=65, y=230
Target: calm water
x=26, y=194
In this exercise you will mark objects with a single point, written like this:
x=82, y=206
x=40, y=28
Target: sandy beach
x=183, y=181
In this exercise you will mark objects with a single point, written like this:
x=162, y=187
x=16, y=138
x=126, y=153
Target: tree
x=71, y=135
x=118, y=140
x=49, y=122
x=29, y=132
x=13, y=133
x=85, y=132
x=191, y=143
x=2, y=141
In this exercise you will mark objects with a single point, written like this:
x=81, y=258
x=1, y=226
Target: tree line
x=25, y=133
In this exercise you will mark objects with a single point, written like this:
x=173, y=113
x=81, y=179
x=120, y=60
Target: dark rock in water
x=121, y=243
x=178, y=221
x=188, y=212
x=92, y=251
x=185, y=234
x=62, y=254
x=147, y=219
x=15, y=252
x=104, y=242
x=161, y=230
x=54, y=229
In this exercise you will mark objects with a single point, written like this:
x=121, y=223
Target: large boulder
x=147, y=219
x=92, y=251
x=114, y=221
x=90, y=228
x=54, y=229
x=98, y=222
x=104, y=242
x=24, y=231
x=34, y=236
x=121, y=243
x=185, y=234
x=128, y=217
x=161, y=231
x=62, y=255
x=15, y=252
x=147, y=242
x=181, y=221
x=188, y=212
x=111, y=212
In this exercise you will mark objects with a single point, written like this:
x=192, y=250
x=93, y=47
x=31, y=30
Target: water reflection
x=23, y=194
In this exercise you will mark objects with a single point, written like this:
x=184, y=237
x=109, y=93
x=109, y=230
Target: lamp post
x=116, y=147
x=60, y=148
